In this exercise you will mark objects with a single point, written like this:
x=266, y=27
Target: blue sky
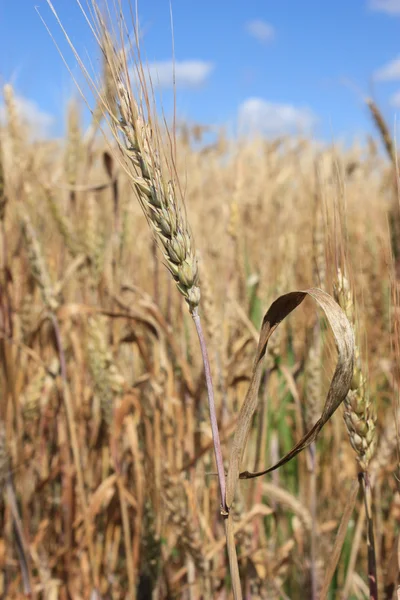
x=269, y=65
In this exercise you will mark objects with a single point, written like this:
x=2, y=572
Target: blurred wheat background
x=107, y=464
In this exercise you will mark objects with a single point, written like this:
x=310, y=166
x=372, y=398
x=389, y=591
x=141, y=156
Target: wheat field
x=108, y=476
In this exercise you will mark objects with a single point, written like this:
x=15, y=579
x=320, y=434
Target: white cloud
x=260, y=30
x=391, y=7
x=38, y=121
x=188, y=73
x=260, y=116
x=389, y=72
x=395, y=100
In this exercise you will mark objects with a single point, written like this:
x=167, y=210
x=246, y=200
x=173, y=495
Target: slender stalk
x=21, y=543
x=313, y=510
x=372, y=577
x=232, y=555
x=211, y=406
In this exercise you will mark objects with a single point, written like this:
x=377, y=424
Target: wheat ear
x=360, y=417
x=154, y=183
x=359, y=410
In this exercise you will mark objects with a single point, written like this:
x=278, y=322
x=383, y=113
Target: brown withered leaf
x=338, y=389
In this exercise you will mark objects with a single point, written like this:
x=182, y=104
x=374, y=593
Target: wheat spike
x=37, y=263
x=155, y=189
x=38, y=391
x=383, y=129
x=63, y=223
x=359, y=410
x=108, y=382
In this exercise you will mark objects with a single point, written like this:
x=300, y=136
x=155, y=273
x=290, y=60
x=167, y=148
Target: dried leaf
x=338, y=389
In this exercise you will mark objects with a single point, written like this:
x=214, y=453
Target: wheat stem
x=213, y=415
x=372, y=567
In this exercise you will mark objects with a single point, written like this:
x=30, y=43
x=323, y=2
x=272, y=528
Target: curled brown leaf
x=338, y=389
